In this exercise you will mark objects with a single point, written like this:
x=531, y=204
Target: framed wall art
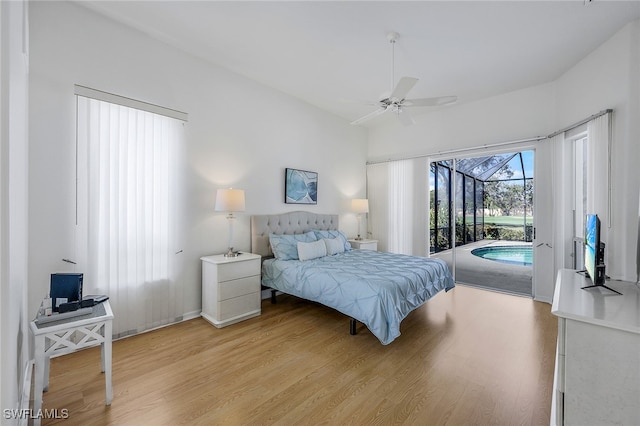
x=300, y=187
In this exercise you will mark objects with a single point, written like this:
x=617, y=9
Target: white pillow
x=334, y=234
x=334, y=246
x=308, y=251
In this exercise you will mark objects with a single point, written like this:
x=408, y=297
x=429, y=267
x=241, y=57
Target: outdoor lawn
x=506, y=220
x=509, y=228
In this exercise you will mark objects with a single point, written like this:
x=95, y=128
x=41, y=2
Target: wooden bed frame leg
x=273, y=297
x=352, y=326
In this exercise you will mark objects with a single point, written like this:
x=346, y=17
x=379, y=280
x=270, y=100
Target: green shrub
x=492, y=232
x=507, y=233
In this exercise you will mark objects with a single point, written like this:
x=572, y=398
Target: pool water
x=514, y=255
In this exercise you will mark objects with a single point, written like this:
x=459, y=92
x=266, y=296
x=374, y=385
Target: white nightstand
x=230, y=288
x=364, y=244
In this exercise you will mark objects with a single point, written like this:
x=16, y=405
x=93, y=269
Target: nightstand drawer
x=230, y=288
x=239, y=306
x=239, y=269
x=240, y=287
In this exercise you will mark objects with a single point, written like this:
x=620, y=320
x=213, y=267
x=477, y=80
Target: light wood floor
x=469, y=356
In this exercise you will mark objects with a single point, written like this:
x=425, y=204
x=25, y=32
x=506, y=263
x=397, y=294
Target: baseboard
x=25, y=395
x=543, y=299
x=185, y=317
x=190, y=315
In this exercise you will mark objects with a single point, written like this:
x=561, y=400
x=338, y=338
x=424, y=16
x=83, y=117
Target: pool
x=514, y=255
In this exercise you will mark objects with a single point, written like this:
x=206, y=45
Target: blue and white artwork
x=300, y=187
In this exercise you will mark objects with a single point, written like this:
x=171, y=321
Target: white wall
x=610, y=78
x=14, y=276
x=239, y=134
x=513, y=116
x=606, y=78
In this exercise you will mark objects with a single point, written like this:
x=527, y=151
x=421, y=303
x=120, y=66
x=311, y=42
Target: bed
x=378, y=289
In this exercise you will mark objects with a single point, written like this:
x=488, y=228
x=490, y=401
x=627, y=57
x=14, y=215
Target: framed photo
x=300, y=187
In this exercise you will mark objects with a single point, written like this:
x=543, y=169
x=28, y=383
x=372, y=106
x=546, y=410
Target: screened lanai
x=488, y=197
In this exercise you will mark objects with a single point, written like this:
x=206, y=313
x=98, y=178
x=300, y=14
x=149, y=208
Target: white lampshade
x=230, y=200
x=360, y=205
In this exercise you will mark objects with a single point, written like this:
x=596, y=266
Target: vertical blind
x=127, y=212
x=397, y=192
x=400, y=206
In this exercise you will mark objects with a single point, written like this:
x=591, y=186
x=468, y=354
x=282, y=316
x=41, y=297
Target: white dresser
x=230, y=288
x=597, y=376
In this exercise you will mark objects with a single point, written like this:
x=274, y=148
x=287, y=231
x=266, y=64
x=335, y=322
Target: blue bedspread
x=378, y=289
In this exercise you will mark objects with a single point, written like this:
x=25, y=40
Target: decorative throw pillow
x=334, y=246
x=308, y=251
x=285, y=247
x=334, y=234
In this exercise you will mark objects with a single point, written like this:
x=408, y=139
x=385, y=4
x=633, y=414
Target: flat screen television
x=65, y=288
x=594, y=253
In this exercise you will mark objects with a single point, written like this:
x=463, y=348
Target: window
x=127, y=211
x=581, y=161
x=591, y=178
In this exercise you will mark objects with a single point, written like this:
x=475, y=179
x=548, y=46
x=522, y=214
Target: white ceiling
x=330, y=53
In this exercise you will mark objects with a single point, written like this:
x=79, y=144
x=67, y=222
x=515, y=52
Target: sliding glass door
x=481, y=219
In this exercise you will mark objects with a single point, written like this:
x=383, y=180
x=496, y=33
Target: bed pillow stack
x=310, y=245
x=334, y=234
x=320, y=248
x=285, y=247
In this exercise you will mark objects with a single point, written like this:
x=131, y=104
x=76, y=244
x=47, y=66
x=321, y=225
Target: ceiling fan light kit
x=397, y=101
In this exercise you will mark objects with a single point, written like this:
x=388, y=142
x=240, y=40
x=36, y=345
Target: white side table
x=69, y=335
x=364, y=244
x=230, y=288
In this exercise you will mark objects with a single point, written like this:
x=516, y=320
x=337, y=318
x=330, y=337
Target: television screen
x=594, y=253
x=65, y=288
x=591, y=243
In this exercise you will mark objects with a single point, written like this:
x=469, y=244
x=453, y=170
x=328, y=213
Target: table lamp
x=230, y=200
x=360, y=206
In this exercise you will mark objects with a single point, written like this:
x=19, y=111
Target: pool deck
x=476, y=271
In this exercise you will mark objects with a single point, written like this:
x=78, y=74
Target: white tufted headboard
x=286, y=223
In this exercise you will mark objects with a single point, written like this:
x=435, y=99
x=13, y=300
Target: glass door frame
x=455, y=155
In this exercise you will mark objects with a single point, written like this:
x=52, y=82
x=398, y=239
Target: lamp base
x=358, y=238
x=232, y=253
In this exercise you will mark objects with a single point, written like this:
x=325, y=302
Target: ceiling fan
x=397, y=101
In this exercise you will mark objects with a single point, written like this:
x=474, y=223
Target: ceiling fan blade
x=370, y=116
x=402, y=88
x=404, y=117
x=442, y=100
x=359, y=102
